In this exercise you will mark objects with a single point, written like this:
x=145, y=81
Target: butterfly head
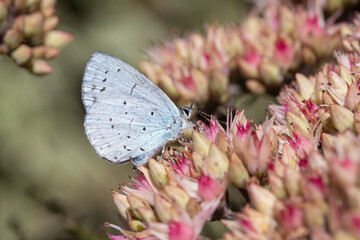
x=185, y=113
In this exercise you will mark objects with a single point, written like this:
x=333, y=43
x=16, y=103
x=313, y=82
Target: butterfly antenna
x=203, y=114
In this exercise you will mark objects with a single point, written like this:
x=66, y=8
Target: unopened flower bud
x=270, y=74
x=293, y=119
x=216, y=164
x=163, y=208
x=219, y=84
x=208, y=188
x=13, y=38
x=57, y=39
x=147, y=214
x=40, y=67
x=33, y=24
x=22, y=54
x=50, y=23
x=341, y=117
x=121, y=203
x=308, y=55
x=201, y=144
x=306, y=87
x=48, y=12
x=255, y=86
x=277, y=186
x=19, y=23
x=166, y=83
x=179, y=195
x=136, y=225
x=262, y=199
x=352, y=98
x=239, y=176
x=158, y=172
x=134, y=204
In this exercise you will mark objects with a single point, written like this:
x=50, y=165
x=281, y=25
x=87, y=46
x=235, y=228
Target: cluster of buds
x=263, y=48
x=27, y=33
x=295, y=190
x=312, y=194
x=328, y=101
x=318, y=199
x=173, y=199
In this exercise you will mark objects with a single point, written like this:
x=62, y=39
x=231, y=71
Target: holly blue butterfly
x=127, y=116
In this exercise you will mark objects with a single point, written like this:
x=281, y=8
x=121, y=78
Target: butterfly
x=128, y=117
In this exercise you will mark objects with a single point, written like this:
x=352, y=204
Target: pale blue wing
x=127, y=115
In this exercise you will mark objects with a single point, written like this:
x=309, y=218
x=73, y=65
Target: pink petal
x=117, y=237
x=208, y=188
x=180, y=231
x=291, y=217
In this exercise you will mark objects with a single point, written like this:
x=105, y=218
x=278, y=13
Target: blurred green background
x=53, y=184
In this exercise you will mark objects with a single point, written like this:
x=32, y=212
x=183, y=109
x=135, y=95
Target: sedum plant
x=28, y=35
x=299, y=170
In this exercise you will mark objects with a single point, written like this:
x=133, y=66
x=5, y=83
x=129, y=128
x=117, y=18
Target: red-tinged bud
x=13, y=38
x=51, y=53
x=19, y=23
x=40, y=67
x=22, y=54
x=208, y=188
x=249, y=64
x=48, y=12
x=180, y=231
x=50, y=23
x=292, y=218
x=39, y=51
x=58, y=39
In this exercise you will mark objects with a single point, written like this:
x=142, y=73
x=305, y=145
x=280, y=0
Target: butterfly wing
x=127, y=115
